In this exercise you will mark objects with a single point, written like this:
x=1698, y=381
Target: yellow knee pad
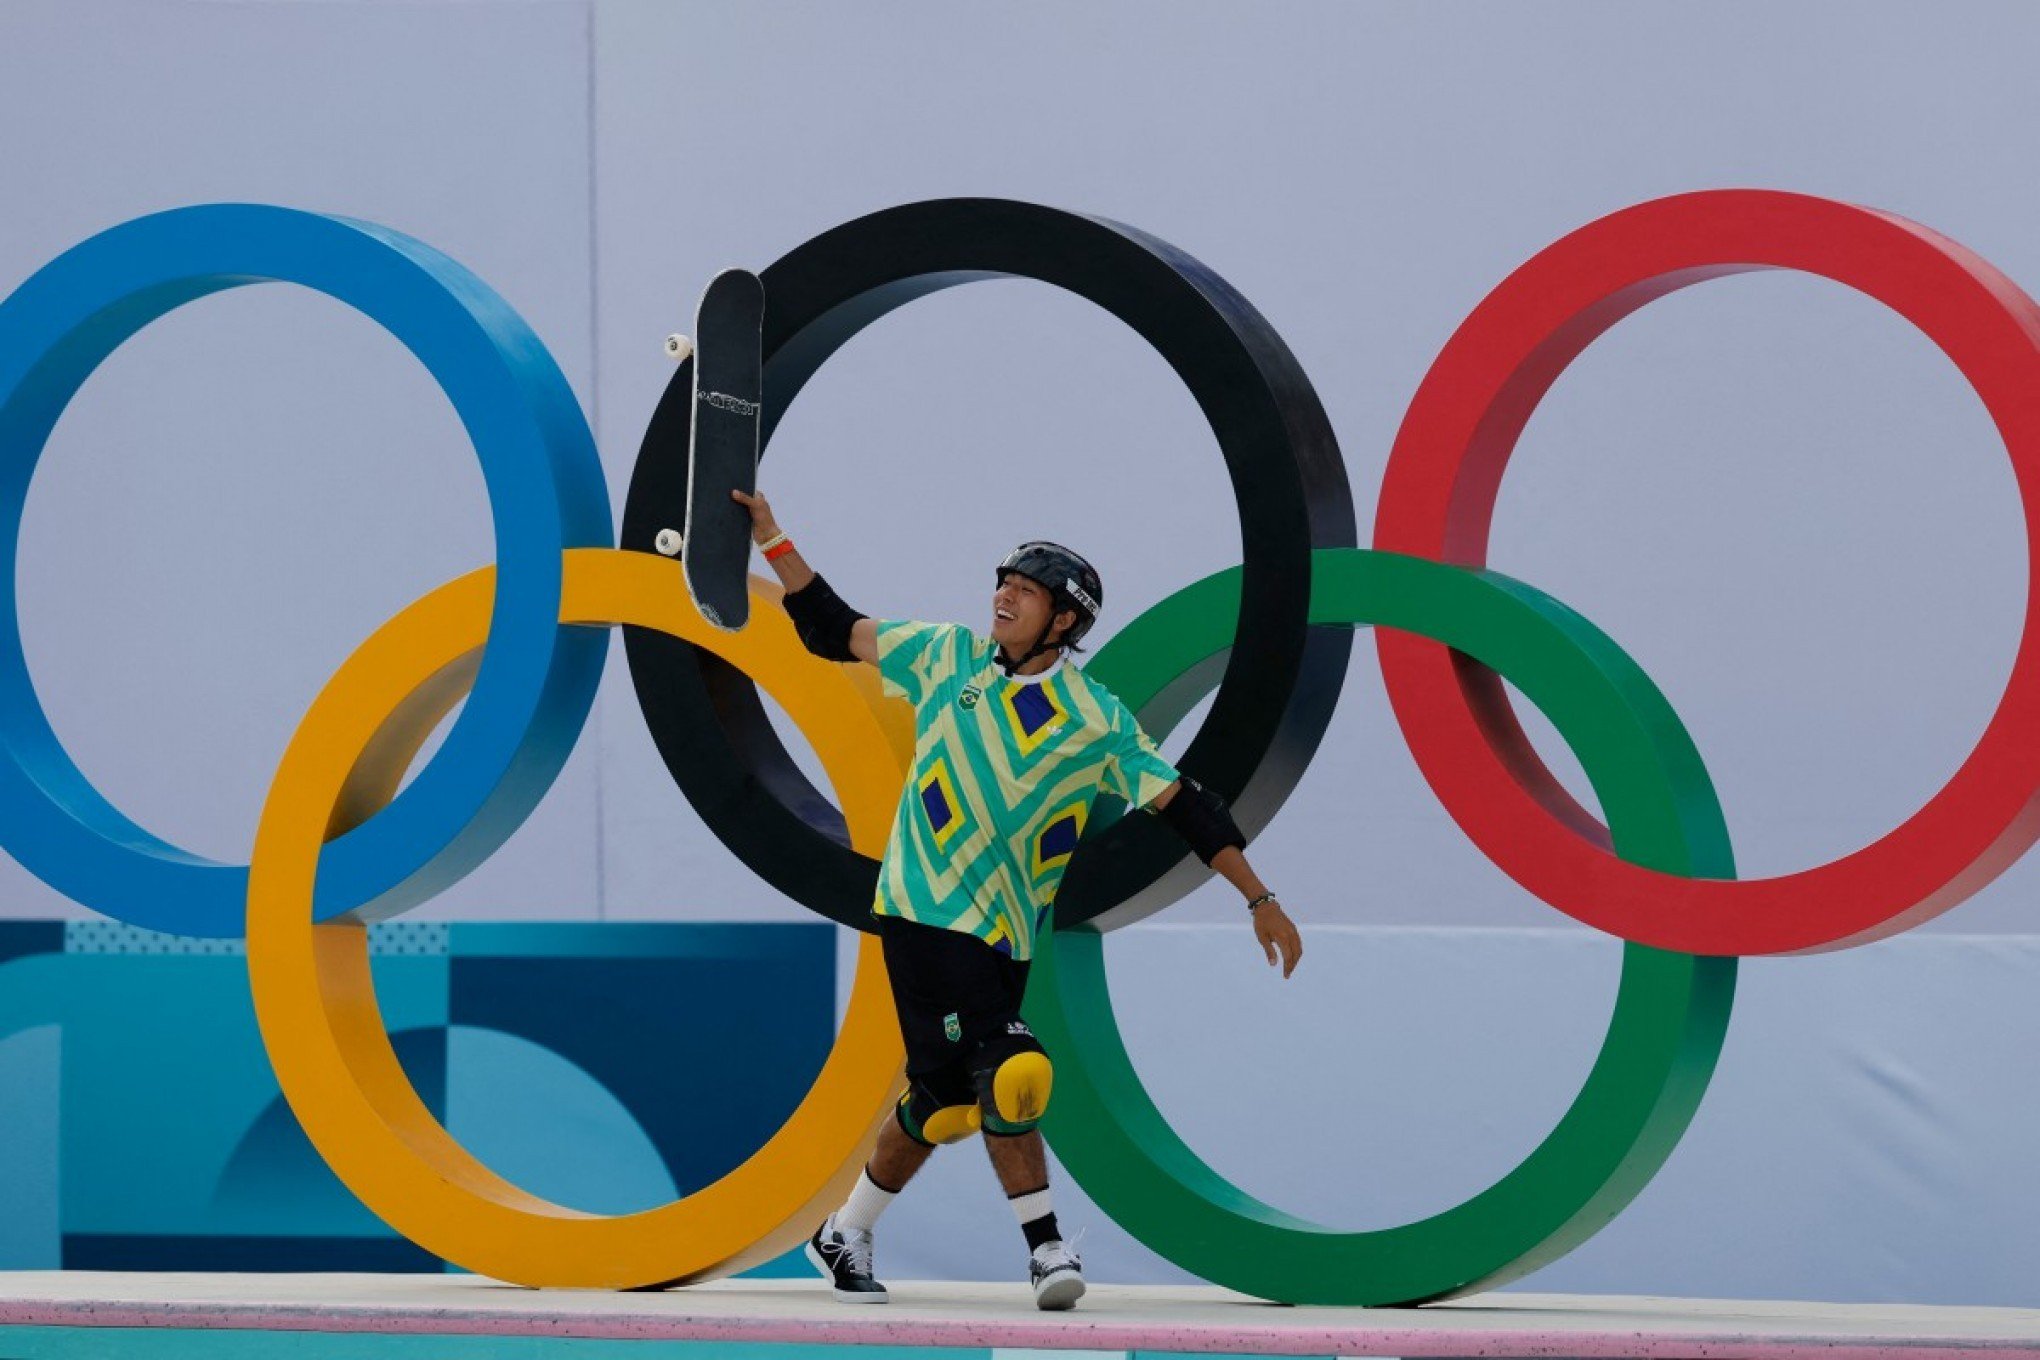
x=952, y=1124
x=943, y=1124
x=1018, y=1091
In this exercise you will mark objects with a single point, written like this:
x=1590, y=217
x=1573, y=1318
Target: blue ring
x=546, y=494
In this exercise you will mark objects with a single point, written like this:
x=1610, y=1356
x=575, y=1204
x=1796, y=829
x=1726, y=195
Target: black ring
x=1282, y=677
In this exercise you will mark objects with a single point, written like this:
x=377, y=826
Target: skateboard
x=722, y=447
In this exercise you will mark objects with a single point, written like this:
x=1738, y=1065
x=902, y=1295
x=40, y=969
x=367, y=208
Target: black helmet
x=1072, y=583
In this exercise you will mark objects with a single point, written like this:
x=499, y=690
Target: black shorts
x=954, y=993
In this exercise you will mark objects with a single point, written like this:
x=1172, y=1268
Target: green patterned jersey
x=1004, y=774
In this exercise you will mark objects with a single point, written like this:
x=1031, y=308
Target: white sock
x=865, y=1204
x=1029, y=1207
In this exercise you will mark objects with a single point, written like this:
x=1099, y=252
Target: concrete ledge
x=1111, y=1318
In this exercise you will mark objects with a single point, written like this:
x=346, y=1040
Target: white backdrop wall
x=1775, y=495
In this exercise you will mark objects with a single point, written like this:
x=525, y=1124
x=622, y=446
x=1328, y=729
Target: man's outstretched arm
x=826, y=614
x=1209, y=831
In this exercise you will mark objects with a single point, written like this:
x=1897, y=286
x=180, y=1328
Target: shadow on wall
x=606, y=1067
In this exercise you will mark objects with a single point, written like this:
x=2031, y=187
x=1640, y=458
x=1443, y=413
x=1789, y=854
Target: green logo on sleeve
x=952, y=1028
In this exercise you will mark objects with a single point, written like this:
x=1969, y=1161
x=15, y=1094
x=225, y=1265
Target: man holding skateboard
x=1011, y=747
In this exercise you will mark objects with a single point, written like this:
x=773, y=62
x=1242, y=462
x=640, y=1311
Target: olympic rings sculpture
x=338, y=845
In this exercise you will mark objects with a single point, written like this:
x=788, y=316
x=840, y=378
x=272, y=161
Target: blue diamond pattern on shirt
x=1059, y=838
x=1033, y=708
x=939, y=812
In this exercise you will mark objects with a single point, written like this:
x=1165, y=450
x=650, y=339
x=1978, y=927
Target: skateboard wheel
x=668, y=542
x=679, y=347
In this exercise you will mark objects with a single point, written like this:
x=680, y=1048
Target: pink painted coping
x=1593, y=1328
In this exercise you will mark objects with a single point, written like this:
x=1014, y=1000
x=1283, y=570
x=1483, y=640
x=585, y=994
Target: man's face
x=1020, y=611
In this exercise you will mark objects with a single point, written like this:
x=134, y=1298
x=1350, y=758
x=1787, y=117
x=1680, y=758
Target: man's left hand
x=1277, y=934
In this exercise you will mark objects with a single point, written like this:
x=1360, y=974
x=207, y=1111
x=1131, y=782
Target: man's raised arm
x=828, y=627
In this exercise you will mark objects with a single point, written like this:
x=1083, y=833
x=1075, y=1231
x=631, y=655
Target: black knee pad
x=1013, y=1078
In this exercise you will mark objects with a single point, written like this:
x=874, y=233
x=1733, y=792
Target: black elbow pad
x=822, y=620
x=1202, y=819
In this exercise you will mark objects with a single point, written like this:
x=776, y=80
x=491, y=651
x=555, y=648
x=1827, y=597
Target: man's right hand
x=792, y=569
x=763, y=526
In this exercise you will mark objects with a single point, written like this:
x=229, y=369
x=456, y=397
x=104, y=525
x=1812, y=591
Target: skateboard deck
x=722, y=446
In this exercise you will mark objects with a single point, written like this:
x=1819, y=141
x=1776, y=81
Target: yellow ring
x=316, y=1001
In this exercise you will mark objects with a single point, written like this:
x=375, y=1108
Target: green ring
x=1671, y=1011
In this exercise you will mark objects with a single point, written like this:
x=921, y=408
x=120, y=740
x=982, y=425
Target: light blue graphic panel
x=519, y=1106
x=195, y=1085
x=609, y=1068
x=29, y=1231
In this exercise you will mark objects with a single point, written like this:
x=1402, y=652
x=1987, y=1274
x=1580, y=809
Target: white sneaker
x=1058, y=1277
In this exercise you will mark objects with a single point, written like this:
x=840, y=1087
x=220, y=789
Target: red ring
x=1438, y=498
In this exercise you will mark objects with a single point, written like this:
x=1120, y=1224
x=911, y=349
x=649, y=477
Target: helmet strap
x=1041, y=644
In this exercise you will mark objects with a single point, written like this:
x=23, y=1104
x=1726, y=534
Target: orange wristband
x=773, y=554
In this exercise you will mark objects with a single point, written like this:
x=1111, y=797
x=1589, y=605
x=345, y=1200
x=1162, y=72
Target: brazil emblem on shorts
x=952, y=1028
x=970, y=696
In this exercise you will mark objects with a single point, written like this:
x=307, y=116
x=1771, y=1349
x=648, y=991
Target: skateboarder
x=1011, y=746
